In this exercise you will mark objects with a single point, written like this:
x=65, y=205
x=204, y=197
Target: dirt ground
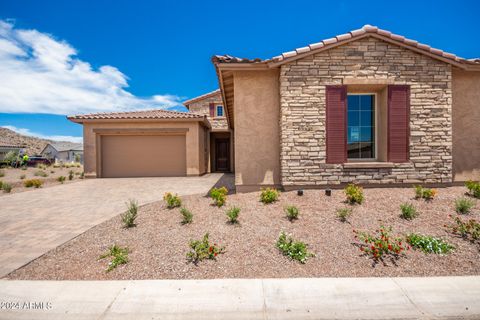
x=159, y=242
x=14, y=176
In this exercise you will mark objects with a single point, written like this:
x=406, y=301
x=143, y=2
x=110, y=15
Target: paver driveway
x=34, y=222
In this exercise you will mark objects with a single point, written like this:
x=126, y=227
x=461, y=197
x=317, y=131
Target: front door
x=222, y=154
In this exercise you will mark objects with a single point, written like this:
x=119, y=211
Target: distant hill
x=33, y=145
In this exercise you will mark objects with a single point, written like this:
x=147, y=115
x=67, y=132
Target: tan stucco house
x=367, y=106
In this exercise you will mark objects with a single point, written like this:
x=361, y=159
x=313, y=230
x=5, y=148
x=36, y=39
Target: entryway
x=220, y=152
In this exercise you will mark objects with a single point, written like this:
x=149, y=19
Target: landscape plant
x=6, y=187
x=354, y=194
x=469, y=230
x=2, y=173
x=380, y=245
x=232, y=214
x=119, y=256
x=128, y=218
x=219, y=196
x=70, y=175
x=464, y=205
x=187, y=216
x=37, y=183
x=173, y=201
x=22, y=177
x=424, y=193
x=40, y=173
x=295, y=250
x=61, y=179
x=291, y=212
x=429, y=244
x=269, y=195
x=11, y=157
x=473, y=188
x=408, y=211
x=344, y=213
x=202, y=249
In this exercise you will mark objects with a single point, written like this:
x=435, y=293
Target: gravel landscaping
x=159, y=242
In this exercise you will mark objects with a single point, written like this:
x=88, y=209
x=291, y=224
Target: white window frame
x=376, y=125
x=216, y=111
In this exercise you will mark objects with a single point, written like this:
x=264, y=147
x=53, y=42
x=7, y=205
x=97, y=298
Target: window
x=361, y=126
x=219, y=111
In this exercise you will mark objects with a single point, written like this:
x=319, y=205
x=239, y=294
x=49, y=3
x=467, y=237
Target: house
x=63, y=152
x=368, y=107
x=6, y=147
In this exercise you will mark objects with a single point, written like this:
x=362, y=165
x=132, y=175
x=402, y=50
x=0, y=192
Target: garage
x=143, y=155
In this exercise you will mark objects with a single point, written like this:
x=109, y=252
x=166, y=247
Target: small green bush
x=82, y=175
x=344, y=213
x=61, y=179
x=37, y=183
x=22, y=177
x=24, y=168
x=269, y=195
x=7, y=187
x=469, y=230
x=379, y=245
x=187, y=216
x=40, y=173
x=291, y=212
x=41, y=166
x=219, y=196
x=1, y=184
x=295, y=250
x=232, y=214
x=202, y=249
x=424, y=193
x=128, y=218
x=354, y=194
x=429, y=244
x=464, y=205
x=70, y=175
x=2, y=173
x=119, y=256
x=408, y=211
x=173, y=201
x=473, y=188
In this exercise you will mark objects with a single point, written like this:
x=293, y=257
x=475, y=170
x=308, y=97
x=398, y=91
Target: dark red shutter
x=398, y=123
x=212, y=110
x=336, y=126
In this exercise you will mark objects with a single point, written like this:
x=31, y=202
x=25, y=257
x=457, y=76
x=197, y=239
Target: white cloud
x=40, y=74
x=27, y=132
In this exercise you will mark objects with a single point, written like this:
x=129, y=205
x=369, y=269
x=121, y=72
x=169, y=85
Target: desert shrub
x=408, y=211
x=344, y=213
x=41, y=166
x=82, y=175
x=52, y=171
x=128, y=218
x=269, y=195
x=202, y=249
x=61, y=179
x=464, y=205
x=291, y=212
x=57, y=165
x=219, y=196
x=429, y=244
x=1, y=184
x=354, y=194
x=70, y=175
x=380, y=245
x=77, y=173
x=40, y=173
x=37, y=183
x=2, y=173
x=11, y=157
x=119, y=256
x=24, y=168
x=424, y=193
x=295, y=250
x=232, y=214
x=22, y=177
x=187, y=216
x=473, y=188
x=469, y=230
x=173, y=201
x=6, y=187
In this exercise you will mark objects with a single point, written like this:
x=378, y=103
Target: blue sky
x=89, y=56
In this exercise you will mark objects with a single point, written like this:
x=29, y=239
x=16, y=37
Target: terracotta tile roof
x=367, y=29
x=7, y=144
x=142, y=114
x=203, y=96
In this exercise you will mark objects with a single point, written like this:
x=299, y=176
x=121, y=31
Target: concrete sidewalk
x=324, y=298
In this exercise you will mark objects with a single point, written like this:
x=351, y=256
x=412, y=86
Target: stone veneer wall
x=302, y=113
x=203, y=107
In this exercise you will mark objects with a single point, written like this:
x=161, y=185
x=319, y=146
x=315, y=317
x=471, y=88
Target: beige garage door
x=143, y=156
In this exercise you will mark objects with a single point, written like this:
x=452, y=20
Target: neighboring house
x=368, y=107
x=63, y=151
x=6, y=147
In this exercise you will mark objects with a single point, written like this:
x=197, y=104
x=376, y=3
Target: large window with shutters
x=361, y=126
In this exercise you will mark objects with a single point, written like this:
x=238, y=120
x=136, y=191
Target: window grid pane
x=361, y=126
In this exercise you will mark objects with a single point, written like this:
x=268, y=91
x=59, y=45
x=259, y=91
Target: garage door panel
x=143, y=156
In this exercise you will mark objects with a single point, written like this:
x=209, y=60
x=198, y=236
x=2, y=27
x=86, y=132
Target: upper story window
x=220, y=111
x=361, y=125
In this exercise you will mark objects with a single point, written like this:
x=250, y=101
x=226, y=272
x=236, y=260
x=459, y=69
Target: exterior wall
x=257, y=133
x=368, y=60
x=466, y=125
x=5, y=150
x=91, y=142
x=203, y=107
